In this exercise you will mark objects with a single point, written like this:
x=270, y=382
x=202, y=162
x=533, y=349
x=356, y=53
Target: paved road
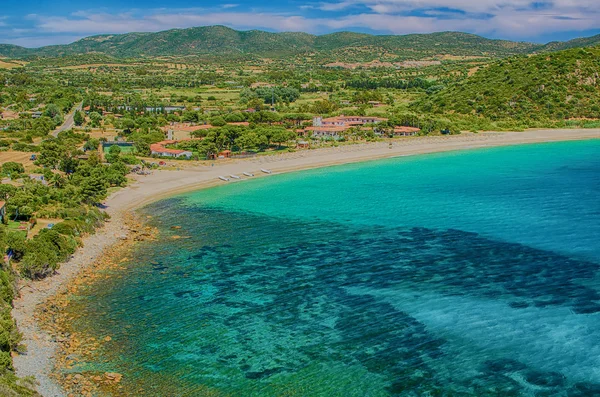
x=69, y=122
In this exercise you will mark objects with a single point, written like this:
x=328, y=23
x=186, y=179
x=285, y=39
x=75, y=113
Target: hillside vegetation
x=553, y=86
x=575, y=43
x=220, y=40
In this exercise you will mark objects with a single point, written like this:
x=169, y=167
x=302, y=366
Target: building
x=332, y=132
x=333, y=127
x=346, y=121
x=160, y=149
x=39, y=178
x=406, y=131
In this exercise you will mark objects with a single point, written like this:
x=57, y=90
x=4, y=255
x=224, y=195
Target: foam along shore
x=38, y=361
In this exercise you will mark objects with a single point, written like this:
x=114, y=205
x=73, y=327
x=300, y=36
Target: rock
x=113, y=376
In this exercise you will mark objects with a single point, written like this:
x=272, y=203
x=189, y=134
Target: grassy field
x=8, y=65
x=19, y=157
x=20, y=227
x=41, y=225
x=124, y=149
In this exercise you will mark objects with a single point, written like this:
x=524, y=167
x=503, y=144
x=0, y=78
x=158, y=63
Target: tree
x=93, y=189
x=51, y=111
x=78, y=118
x=12, y=169
x=6, y=191
x=218, y=122
x=247, y=140
x=95, y=118
x=281, y=135
x=51, y=153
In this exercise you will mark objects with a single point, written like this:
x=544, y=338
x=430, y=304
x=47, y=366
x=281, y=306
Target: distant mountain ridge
x=220, y=40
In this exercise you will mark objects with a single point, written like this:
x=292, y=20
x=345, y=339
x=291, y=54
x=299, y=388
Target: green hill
x=220, y=40
x=14, y=51
x=550, y=86
x=575, y=43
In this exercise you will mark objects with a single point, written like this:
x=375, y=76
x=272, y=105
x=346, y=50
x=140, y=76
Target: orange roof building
x=160, y=149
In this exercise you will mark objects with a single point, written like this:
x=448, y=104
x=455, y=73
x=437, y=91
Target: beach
x=38, y=361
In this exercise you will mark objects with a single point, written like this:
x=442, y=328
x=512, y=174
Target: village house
x=406, y=131
x=160, y=149
x=39, y=178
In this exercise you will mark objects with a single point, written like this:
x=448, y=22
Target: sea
x=467, y=273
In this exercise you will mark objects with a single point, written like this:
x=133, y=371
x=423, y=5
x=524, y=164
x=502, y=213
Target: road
x=69, y=122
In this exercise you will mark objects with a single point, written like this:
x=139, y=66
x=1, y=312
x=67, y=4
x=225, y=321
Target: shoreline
x=42, y=347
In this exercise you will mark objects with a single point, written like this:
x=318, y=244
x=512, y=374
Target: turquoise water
x=471, y=273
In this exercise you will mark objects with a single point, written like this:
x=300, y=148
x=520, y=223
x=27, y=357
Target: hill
x=14, y=51
x=575, y=43
x=540, y=87
x=220, y=40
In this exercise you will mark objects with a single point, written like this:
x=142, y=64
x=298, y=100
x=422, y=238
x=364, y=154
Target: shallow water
x=467, y=273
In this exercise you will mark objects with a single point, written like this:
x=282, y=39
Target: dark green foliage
x=10, y=385
x=13, y=169
x=554, y=86
x=78, y=118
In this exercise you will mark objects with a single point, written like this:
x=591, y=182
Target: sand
x=39, y=362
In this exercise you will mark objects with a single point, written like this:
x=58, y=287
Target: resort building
x=160, y=149
x=406, y=131
x=333, y=127
x=346, y=121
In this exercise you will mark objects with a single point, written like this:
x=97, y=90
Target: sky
x=35, y=23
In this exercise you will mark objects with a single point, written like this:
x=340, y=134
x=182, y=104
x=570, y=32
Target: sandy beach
x=41, y=346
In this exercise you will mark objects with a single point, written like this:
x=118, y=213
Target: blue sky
x=35, y=23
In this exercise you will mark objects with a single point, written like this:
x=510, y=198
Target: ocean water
x=470, y=273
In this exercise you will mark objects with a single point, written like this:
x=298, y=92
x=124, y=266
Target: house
x=38, y=177
x=2, y=210
x=222, y=155
x=160, y=149
x=303, y=145
x=36, y=115
x=406, y=131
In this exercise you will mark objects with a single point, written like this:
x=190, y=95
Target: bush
x=12, y=168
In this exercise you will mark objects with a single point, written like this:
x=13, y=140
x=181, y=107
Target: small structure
x=225, y=154
x=39, y=178
x=303, y=145
x=160, y=149
x=2, y=210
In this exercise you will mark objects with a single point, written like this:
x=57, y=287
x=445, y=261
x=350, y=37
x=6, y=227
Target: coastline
x=42, y=347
